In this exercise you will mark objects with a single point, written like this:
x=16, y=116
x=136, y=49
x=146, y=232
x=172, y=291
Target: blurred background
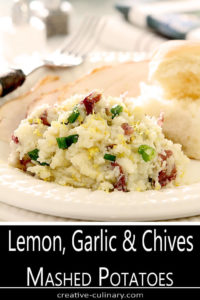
x=30, y=28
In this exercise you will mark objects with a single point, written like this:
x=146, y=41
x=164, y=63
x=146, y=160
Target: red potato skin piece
x=15, y=139
x=44, y=118
x=120, y=185
x=24, y=161
x=110, y=146
x=161, y=119
x=128, y=130
x=168, y=153
x=90, y=100
x=164, y=179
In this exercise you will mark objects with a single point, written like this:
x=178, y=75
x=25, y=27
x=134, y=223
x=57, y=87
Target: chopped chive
x=147, y=152
x=109, y=157
x=43, y=164
x=116, y=110
x=74, y=115
x=66, y=142
x=34, y=154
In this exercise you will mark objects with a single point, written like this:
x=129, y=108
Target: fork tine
x=86, y=36
x=78, y=44
x=73, y=41
x=97, y=33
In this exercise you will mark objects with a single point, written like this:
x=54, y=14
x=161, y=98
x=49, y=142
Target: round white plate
x=23, y=191
x=10, y=213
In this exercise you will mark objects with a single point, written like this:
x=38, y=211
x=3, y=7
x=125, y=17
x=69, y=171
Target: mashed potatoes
x=98, y=143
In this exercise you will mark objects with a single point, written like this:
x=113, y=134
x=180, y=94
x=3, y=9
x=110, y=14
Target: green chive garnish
x=110, y=157
x=74, y=115
x=147, y=152
x=66, y=142
x=43, y=164
x=116, y=110
x=34, y=154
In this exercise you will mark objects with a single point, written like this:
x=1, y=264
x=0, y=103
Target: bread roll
x=174, y=88
x=181, y=119
x=175, y=66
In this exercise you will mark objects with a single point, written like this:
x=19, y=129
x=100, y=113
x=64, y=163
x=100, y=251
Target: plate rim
x=65, y=201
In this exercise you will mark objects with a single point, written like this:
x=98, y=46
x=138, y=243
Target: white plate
x=23, y=191
x=10, y=213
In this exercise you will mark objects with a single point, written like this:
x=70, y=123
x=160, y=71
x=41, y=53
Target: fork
x=72, y=53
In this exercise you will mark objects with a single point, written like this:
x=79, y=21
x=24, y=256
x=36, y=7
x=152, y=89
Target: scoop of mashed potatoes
x=99, y=143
